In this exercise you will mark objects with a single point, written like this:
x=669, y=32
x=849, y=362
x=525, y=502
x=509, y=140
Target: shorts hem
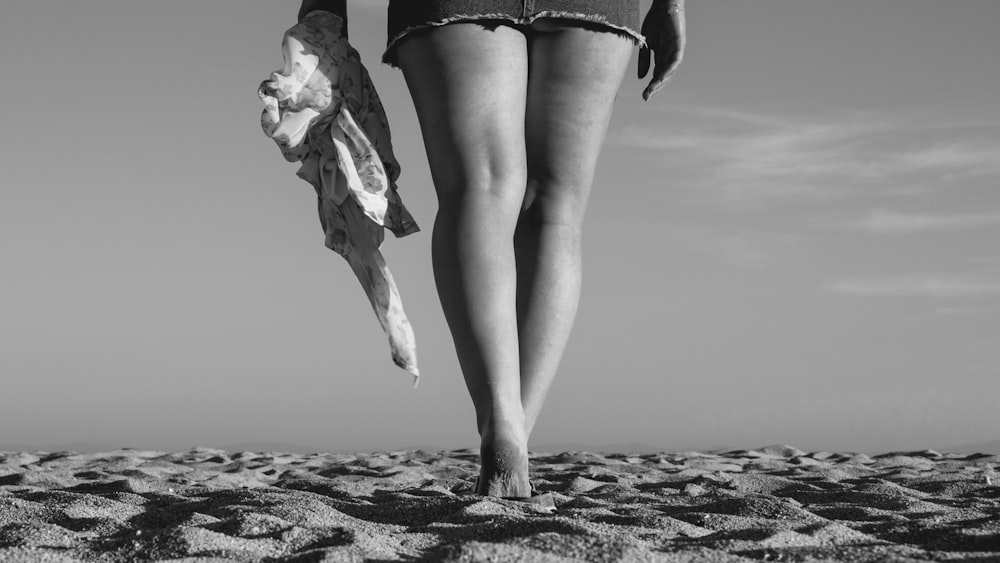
x=388, y=56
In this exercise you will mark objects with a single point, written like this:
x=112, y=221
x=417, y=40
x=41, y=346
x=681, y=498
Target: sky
x=795, y=242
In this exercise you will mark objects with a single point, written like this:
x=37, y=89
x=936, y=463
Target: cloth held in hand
x=322, y=110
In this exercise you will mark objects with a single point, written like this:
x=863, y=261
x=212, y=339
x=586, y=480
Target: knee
x=499, y=189
x=551, y=201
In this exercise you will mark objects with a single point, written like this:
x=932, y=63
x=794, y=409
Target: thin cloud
x=892, y=222
x=916, y=286
x=747, y=163
x=742, y=248
x=958, y=159
x=736, y=156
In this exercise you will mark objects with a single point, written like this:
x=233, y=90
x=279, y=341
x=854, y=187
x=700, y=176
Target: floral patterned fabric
x=322, y=110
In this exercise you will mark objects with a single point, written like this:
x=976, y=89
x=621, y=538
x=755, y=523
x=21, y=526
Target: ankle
x=509, y=425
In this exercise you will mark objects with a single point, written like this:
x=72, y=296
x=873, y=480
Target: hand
x=338, y=7
x=665, y=30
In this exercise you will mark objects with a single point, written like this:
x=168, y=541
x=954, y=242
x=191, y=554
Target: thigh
x=574, y=79
x=469, y=84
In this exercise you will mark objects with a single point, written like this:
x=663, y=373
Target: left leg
x=574, y=76
x=468, y=84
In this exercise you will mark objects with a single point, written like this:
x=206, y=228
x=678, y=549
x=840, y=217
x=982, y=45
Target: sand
x=772, y=504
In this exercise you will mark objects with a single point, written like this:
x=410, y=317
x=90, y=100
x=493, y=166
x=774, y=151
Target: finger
x=661, y=77
x=666, y=75
x=657, y=84
x=644, y=59
x=657, y=79
x=654, y=87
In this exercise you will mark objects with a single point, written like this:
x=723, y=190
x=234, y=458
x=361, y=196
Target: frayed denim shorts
x=410, y=16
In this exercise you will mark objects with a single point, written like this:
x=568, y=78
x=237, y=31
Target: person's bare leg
x=575, y=75
x=468, y=85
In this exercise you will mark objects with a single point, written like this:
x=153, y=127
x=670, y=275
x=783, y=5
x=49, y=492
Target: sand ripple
x=773, y=504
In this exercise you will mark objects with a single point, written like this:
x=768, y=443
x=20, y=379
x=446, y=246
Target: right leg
x=575, y=75
x=468, y=85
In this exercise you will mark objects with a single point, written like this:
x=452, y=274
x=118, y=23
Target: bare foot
x=504, y=469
